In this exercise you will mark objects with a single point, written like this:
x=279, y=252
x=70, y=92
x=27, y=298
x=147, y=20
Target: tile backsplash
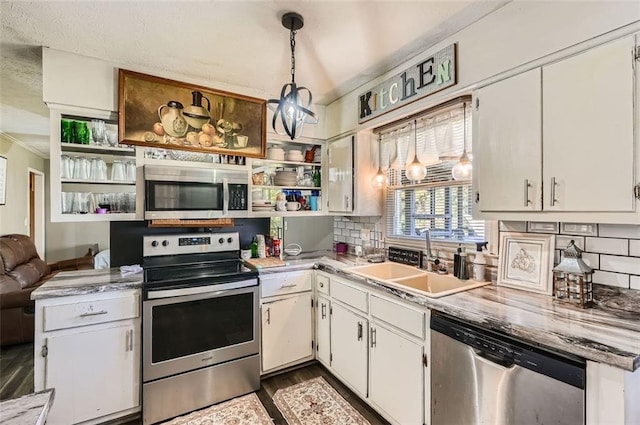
x=613, y=250
x=349, y=230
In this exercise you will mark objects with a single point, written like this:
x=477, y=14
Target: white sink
x=412, y=279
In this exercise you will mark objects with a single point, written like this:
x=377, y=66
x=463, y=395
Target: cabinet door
x=349, y=333
x=588, y=130
x=341, y=175
x=286, y=331
x=94, y=372
x=323, y=330
x=507, y=144
x=396, y=375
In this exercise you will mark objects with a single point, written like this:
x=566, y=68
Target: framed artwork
x=161, y=113
x=3, y=180
x=526, y=262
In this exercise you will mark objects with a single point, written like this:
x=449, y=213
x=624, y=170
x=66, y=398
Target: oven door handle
x=225, y=196
x=209, y=289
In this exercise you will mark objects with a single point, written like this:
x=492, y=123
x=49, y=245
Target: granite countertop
x=82, y=282
x=31, y=409
x=609, y=333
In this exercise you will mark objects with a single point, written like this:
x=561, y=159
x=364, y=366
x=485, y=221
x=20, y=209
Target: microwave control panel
x=238, y=197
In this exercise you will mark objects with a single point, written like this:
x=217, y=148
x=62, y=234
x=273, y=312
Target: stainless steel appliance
x=483, y=377
x=188, y=192
x=200, y=324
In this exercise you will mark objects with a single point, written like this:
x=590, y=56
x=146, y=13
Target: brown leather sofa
x=21, y=272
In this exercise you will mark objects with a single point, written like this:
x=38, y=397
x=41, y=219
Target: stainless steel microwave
x=194, y=193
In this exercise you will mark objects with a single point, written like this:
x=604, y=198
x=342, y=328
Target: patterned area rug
x=245, y=410
x=316, y=402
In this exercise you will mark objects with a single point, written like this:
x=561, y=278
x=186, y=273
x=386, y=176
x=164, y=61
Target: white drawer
x=91, y=312
x=404, y=318
x=322, y=283
x=349, y=295
x=285, y=283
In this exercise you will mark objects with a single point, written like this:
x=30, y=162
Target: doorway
x=36, y=210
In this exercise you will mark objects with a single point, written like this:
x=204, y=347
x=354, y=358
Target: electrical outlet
x=365, y=234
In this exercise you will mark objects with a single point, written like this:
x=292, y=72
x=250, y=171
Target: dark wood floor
x=16, y=371
x=16, y=379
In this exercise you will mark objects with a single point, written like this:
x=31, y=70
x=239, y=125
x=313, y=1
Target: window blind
x=437, y=202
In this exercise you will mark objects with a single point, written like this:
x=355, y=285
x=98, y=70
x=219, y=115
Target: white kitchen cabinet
x=286, y=331
x=559, y=139
x=507, y=145
x=349, y=347
x=396, y=375
x=90, y=355
x=588, y=154
x=352, y=163
x=323, y=330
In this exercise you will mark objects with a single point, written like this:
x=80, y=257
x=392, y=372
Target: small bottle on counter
x=254, y=248
x=463, y=274
x=276, y=247
x=456, y=261
x=479, y=263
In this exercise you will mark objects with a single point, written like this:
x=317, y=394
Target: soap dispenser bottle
x=456, y=261
x=462, y=272
x=479, y=263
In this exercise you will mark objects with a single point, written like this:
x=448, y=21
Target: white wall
x=70, y=79
x=511, y=37
x=14, y=216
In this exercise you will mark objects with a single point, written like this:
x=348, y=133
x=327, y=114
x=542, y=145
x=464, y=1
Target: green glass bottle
x=254, y=248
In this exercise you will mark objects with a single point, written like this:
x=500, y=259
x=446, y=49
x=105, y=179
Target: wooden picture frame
x=3, y=180
x=526, y=262
x=161, y=113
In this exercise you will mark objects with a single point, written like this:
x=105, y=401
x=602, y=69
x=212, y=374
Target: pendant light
x=462, y=170
x=380, y=179
x=291, y=111
x=416, y=171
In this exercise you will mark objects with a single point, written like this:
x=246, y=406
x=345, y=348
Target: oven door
x=192, y=328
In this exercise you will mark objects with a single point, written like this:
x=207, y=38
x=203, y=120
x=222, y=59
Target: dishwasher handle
x=505, y=360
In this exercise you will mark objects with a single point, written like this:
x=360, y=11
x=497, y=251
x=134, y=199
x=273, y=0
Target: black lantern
x=291, y=111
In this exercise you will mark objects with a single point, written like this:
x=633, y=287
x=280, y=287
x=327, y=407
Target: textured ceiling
x=343, y=44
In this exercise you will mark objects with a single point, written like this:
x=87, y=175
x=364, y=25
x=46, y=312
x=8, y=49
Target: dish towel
x=127, y=270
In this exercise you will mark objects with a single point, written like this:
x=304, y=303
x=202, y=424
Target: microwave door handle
x=225, y=196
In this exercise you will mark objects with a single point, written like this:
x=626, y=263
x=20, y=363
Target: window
x=437, y=202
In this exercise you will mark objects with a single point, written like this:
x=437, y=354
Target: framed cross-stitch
x=526, y=261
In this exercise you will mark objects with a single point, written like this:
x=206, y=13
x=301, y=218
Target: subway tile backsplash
x=613, y=250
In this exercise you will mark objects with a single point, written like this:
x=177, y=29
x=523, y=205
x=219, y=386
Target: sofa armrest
x=80, y=263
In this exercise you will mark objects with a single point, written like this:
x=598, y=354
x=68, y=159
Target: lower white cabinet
x=93, y=362
x=286, y=331
x=396, y=377
x=349, y=347
x=323, y=330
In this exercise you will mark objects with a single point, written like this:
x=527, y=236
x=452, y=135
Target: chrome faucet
x=430, y=257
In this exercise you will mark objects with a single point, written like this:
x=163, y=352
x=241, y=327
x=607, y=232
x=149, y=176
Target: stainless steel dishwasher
x=483, y=377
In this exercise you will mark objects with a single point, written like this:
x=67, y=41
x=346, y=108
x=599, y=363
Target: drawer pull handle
x=130, y=339
x=268, y=315
x=359, y=331
x=288, y=286
x=373, y=337
x=324, y=311
x=94, y=313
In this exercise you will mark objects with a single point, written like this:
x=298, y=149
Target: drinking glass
x=82, y=134
x=81, y=202
x=112, y=137
x=80, y=168
x=66, y=127
x=67, y=202
x=98, y=169
x=130, y=170
x=118, y=172
x=115, y=202
x=97, y=131
x=66, y=167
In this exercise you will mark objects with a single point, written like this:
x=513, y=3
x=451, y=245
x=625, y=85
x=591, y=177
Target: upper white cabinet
x=587, y=115
x=559, y=138
x=352, y=163
x=507, y=146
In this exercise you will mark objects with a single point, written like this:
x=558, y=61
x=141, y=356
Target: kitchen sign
x=433, y=74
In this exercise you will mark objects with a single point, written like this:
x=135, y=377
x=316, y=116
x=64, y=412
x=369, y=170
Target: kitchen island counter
x=81, y=282
x=31, y=409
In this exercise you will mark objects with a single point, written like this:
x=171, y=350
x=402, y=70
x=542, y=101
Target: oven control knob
x=221, y=240
x=154, y=244
x=229, y=240
x=165, y=243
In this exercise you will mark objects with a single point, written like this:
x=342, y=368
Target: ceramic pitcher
x=172, y=119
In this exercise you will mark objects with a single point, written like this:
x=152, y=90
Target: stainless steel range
x=200, y=324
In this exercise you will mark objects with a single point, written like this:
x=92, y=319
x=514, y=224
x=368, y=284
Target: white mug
x=245, y=254
x=281, y=205
x=293, y=206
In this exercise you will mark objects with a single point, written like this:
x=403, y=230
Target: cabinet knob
x=154, y=244
x=165, y=243
x=221, y=240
